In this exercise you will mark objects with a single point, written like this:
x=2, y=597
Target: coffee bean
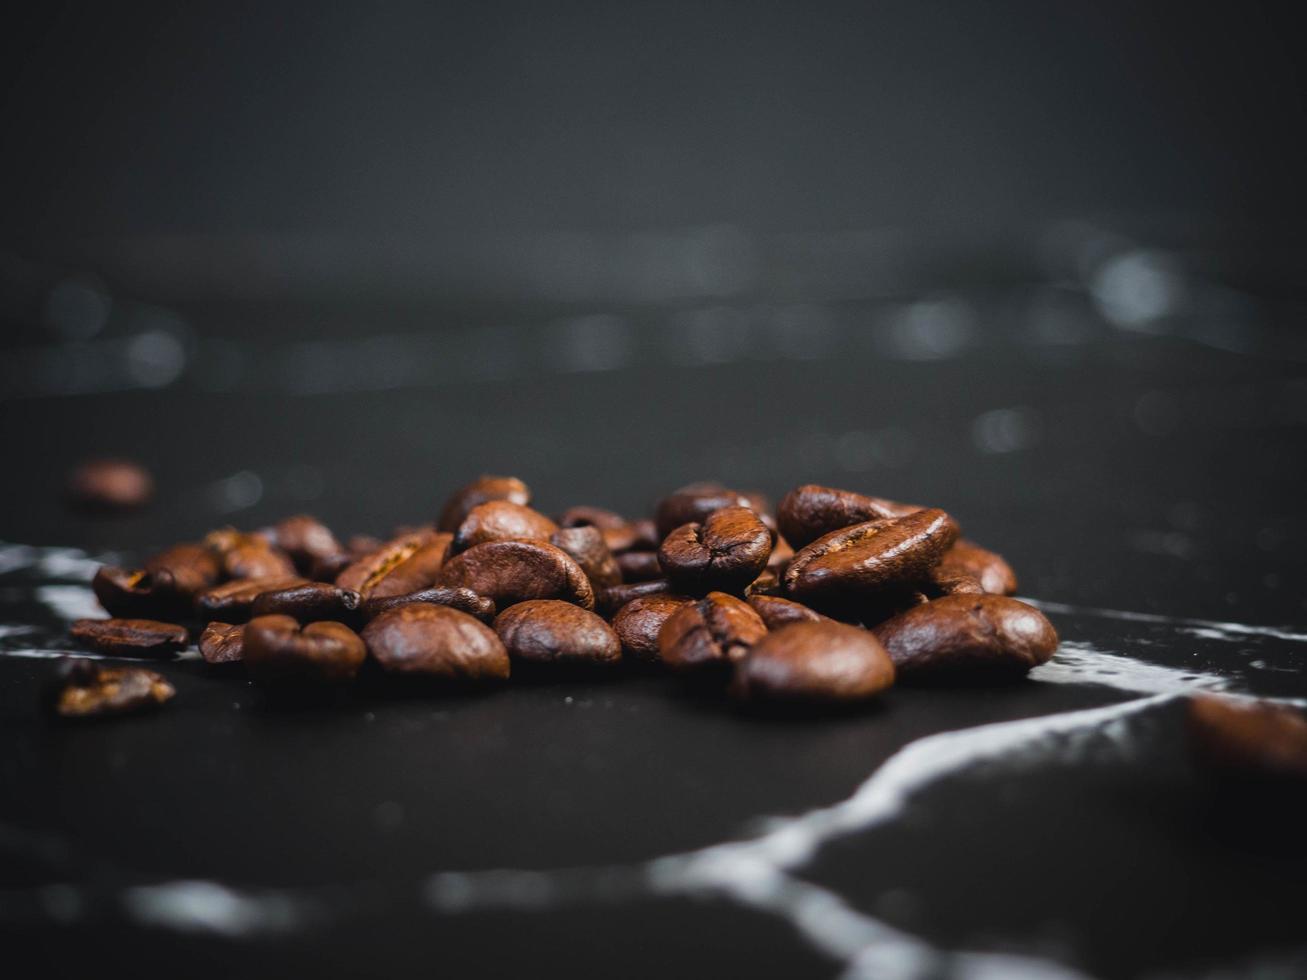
x=638, y=623
x=464, y=600
x=810, y=511
x=501, y=520
x=723, y=554
x=638, y=566
x=402, y=565
x=362, y=545
x=588, y=549
x=714, y=631
x=767, y=583
x=85, y=689
x=865, y=558
x=248, y=555
x=949, y=580
x=309, y=543
x=968, y=636
x=437, y=642
x=1248, y=738
x=549, y=631
x=129, y=637
x=309, y=602
x=994, y=575
x=781, y=556
x=646, y=537
x=618, y=533
x=814, y=661
x=136, y=593
x=278, y=650
x=108, y=485
x=189, y=568
x=692, y=504
x=776, y=612
x=222, y=643
x=510, y=572
x=479, y=491
x=233, y=602
x=613, y=598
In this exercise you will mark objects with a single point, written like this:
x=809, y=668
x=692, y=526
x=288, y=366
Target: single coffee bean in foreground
x=776, y=611
x=638, y=623
x=723, y=554
x=223, y=643
x=814, y=661
x=436, y=642
x=968, y=637
x=233, y=602
x=714, y=631
x=85, y=689
x=464, y=600
x=510, y=572
x=309, y=602
x=550, y=631
x=137, y=593
x=278, y=650
x=1248, y=738
x=811, y=511
x=479, y=491
x=129, y=637
x=110, y=485
x=994, y=575
x=501, y=520
x=404, y=564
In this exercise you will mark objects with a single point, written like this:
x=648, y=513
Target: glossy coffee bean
x=464, y=600
x=479, y=491
x=136, y=593
x=767, y=583
x=129, y=637
x=278, y=650
x=436, y=642
x=724, y=553
x=588, y=548
x=646, y=536
x=711, y=632
x=639, y=566
x=949, y=580
x=865, y=558
x=188, y=568
x=1248, y=738
x=966, y=636
x=233, y=602
x=810, y=511
x=989, y=569
x=309, y=602
x=814, y=661
x=109, y=485
x=610, y=600
x=549, y=631
x=501, y=520
x=85, y=689
x=638, y=623
x=780, y=557
x=402, y=565
x=776, y=611
x=309, y=543
x=253, y=557
x=222, y=643
x=618, y=533
x=692, y=504
x=510, y=572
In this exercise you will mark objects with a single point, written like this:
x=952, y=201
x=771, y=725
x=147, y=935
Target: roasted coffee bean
x=479, y=491
x=233, y=602
x=510, y=572
x=638, y=623
x=692, y=504
x=865, y=558
x=222, y=643
x=400, y=566
x=780, y=557
x=761, y=505
x=190, y=569
x=638, y=566
x=646, y=536
x=248, y=555
x=309, y=543
x=309, y=602
x=278, y=650
x=613, y=598
x=810, y=511
x=464, y=600
x=550, y=631
x=328, y=567
x=88, y=690
x=989, y=569
x=776, y=612
x=501, y=520
x=108, y=485
x=948, y=580
x=362, y=545
x=1248, y=738
x=968, y=636
x=618, y=533
x=136, y=593
x=723, y=554
x=438, y=642
x=129, y=637
x=814, y=661
x=587, y=547
x=714, y=631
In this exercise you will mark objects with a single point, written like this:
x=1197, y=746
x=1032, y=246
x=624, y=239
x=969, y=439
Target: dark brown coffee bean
x=714, y=631
x=638, y=566
x=646, y=536
x=950, y=580
x=692, y=504
x=479, y=491
x=613, y=598
x=767, y=583
x=89, y=690
x=129, y=637
x=810, y=511
x=328, y=567
x=309, y=602
x=865, y=558
x=245, y=555
x=510, y=572
x=814, y=661
x=989, y=569
x=638, y=623
x=1248, y=737
x=968, y=635
x=278, y=650
x=233, y=602
x=587, y=547
x=781, y=556
x=438, y=642
x=501, y=520
x=309, y=543
x=136, y=593
x=400, y=566
x=549, y=631
x=618, y=533
x=190, y=569
x=464, y=600
x=222, y=643
x=761, y=505
x=362, y=545
x=776, y=612
x=723, y=554
x=109, y=485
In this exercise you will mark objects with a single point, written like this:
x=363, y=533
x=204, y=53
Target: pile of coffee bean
x=829, y=598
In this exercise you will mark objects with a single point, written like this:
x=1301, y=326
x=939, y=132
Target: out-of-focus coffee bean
x=309, y=602
x=638, y=623
x=129, y=637
x=638, y=566
x=190, y=569
x=692, y=504
x=479, y=491
x=400, y=566
x=780, y=557
x=233, y=602
x=646, y=536
x=811, y=511
x=136, y=593
x=362, y=545
x=245, y=555
x=510, y=572
x=767, y=583
x=814, y=661
x=550, y=631
x=993, y=573
x=110, y=485
x=85, y=689
x=776, y=611
x=278, y=650
x=761, y=505
x=1248, y=738
x=714, y=631
x=723, y=554
x=222, y=643
x=310, y=544
x=968, y=636
x=613, y=598
x=328, y=567
x=619, y=534
x=865, y=558
x=437, y=642
x=464, y=600
x=944, y=581
x=587, y=547
x=501, y=520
